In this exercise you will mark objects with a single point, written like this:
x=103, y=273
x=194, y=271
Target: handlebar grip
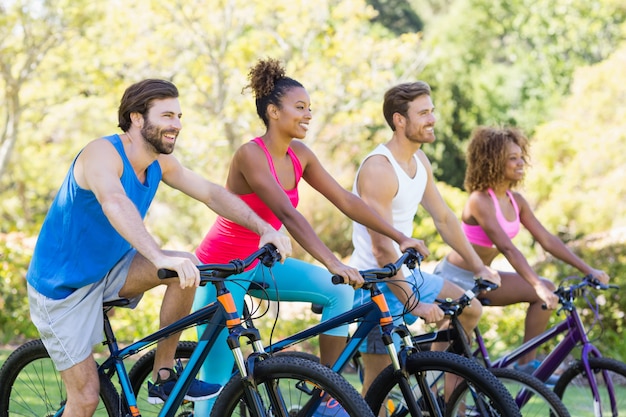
x=490, y=285
x=337, y=279
x=166, y=273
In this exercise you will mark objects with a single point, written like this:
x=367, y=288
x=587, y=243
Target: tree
x=344, y=64
x=28, y=32
x=397, y=15
x=509, y=63
x=577, y=174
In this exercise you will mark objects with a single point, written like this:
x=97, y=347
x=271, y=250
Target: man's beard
x=154, y=138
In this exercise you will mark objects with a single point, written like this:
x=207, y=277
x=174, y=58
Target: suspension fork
x=246, y=368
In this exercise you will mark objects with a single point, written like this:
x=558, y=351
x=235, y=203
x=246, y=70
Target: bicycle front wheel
x=438, y=374
x=574, y=388
x=287, y=386
x=531, y=395
x=30, y=385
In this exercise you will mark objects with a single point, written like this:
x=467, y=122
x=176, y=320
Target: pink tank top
x=227, y=240
x=477, y=236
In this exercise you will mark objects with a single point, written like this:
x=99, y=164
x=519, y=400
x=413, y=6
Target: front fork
x=246, y=368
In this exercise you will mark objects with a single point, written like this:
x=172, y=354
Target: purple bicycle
x=591, y=385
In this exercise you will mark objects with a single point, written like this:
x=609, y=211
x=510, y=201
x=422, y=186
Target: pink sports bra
x=228, y=240
x=477, y=236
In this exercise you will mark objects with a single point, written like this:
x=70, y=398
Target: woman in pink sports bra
x=496, y=158
x=265, y=173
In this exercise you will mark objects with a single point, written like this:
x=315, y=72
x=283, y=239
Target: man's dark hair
x=397, y=99
x=139, y=97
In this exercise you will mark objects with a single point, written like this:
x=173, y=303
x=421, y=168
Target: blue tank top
x=77, y=245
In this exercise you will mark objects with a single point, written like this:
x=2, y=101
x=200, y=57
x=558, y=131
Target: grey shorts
x=70, y=327
x=459, y=276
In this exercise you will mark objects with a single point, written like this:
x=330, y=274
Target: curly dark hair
x=486, y=156
x=139, y=97
x=269, y=84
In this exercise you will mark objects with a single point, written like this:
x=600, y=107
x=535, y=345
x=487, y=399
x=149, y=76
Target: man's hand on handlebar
x=187, y=272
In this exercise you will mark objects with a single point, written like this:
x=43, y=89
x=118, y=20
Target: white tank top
x=404, y=207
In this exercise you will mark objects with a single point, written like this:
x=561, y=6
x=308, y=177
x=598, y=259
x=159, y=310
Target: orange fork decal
x=381, y=302
x=231, y=311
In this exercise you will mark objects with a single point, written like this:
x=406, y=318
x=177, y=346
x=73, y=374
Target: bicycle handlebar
x=410, y=258
x=568, y=294
x=267, y=254
x=450, y=306
x=586, y=281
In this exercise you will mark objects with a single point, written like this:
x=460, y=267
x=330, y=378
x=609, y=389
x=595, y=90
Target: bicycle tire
x=543, y=402
x=297, y=378
x=573, y=387
x=384, y=391
x=30, y=385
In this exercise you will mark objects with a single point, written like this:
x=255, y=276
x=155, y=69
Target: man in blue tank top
x=94, y=247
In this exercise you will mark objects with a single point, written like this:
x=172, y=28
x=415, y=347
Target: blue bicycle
x=267, y=386
x=408, y=388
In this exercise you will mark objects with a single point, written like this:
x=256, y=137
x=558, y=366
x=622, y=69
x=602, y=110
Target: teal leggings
x=294, y=280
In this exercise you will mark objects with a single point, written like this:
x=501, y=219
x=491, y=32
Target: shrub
x=15, y=323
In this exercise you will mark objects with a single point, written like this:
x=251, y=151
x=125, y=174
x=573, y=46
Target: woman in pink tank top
x=265, y=173
x=496, y=158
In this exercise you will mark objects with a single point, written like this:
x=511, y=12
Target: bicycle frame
x=575, y=335
x=117, y=355
x=216, y=316
x=371, y=314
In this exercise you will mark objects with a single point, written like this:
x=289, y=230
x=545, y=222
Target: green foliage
x=577, y=174
x=397, y=16
x=503, y=62
x=509, y=63
x=15, y=324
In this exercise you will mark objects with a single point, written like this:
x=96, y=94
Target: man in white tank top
x=394, y=179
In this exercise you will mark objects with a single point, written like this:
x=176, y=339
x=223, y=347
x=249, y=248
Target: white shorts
x=70, y=327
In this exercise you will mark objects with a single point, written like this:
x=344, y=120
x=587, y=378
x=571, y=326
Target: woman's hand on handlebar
x=489, y=274
x=351, y=276
x=550, y=299
x=601, y=276
x=278, y=239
